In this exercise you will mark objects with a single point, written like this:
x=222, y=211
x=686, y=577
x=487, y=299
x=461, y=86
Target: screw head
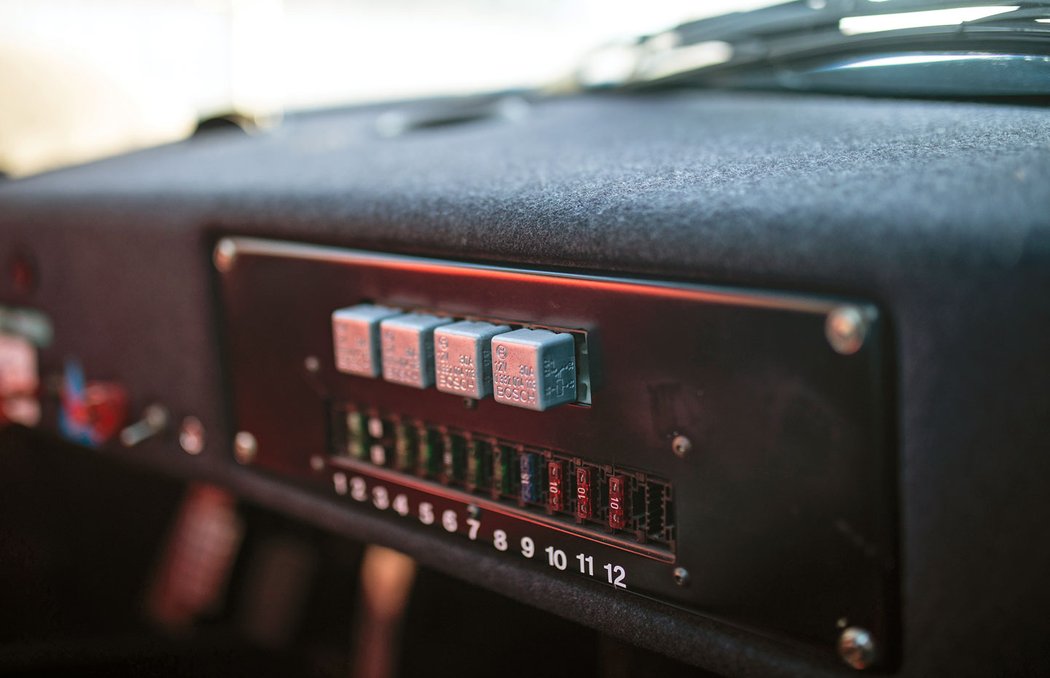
x=312, y=364
x=317, y=462
x=846, y=328
x=681, y=576
x=225, y=255
x=244, y=447
x=681, y=445
x=191, y=436
x=857, y=648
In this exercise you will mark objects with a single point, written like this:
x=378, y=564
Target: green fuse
x=472, y=464
x=478, y=464
x=502, y=476
x=405, y=447
x=355, y=440
x=452, y=461
x=429, y=459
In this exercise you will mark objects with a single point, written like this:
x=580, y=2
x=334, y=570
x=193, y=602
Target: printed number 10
x=557, y=558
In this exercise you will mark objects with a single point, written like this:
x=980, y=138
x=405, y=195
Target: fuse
x=530, y=479
x=479, y=464
x=451, y=458
x=473, y=465
x=405, y=447
x=428, y=457
x=617, y=499
x=355, y=423
x=555, y=485
x=502, y=472
x=584, y=493
x=356, y=439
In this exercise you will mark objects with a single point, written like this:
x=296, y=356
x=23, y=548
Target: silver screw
x=681, y=576
x=846, y=328
x=681, y=445
x=244, y=447
x=225, y=255
x=317, y=463
x=154, y=421
x=191, y=436
x=473, y=511
x=312, y=364
x=857, y=647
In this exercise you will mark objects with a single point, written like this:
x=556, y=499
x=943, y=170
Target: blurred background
x=82, y=79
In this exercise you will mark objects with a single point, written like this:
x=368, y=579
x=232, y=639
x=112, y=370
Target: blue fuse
x=530, y=478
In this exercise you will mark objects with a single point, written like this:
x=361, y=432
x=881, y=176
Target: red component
x=556, y=492
x=584, y=496
x=107, y=409
x=617, y=501
x=92, y=412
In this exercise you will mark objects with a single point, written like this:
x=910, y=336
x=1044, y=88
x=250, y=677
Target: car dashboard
x=753, y=381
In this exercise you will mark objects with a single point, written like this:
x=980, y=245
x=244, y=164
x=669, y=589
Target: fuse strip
x=600, y=497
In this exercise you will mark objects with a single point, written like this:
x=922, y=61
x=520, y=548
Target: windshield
x=80, y=80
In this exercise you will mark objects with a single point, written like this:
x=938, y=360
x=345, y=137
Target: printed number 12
x=621, y=575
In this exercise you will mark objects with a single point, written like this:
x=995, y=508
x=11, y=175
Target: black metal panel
x=785, y=503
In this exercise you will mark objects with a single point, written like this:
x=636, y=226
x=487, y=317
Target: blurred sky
x=165, y=63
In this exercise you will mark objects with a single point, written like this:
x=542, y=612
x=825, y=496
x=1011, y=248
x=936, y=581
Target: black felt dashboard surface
x=939, y=212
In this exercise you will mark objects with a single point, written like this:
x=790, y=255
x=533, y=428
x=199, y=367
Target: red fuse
x=584, y=508
x=555, y=494
x=617, y=510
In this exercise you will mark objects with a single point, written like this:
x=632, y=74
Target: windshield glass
x=80, y=80
x=119, y=74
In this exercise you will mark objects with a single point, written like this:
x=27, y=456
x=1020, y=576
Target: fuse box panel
x=730, y=452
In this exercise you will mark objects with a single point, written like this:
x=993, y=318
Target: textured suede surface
x=939, y=212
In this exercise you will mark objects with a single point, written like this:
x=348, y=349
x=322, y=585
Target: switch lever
x=154, y=420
